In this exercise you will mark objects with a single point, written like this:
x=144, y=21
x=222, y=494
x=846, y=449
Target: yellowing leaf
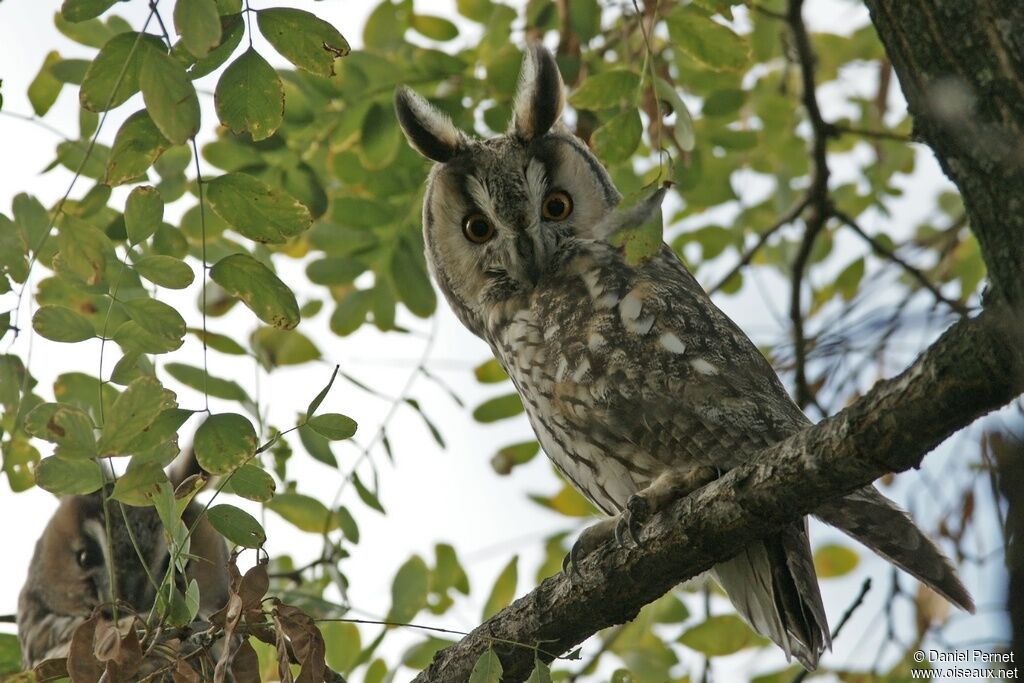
x=835, y=560
x=61, y=324
x=504, y=589
x=223, y=442
x=721, y=635
x=304, y=39
x=259, y=288
x=255, y=209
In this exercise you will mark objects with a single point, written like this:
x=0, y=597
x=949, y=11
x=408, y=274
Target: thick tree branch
x=961, y=65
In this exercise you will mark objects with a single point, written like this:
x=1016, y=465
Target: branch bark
x=961, y=65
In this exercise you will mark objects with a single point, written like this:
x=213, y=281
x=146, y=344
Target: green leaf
x=113, y=76
x=514, y=455
x=84, y=251
x=848, y=281
x=233, y=28
x=80, y=10
x=45, y=87
x=218, y=342
x=205, y=383
x=347, y=523
x=10, y=655
x=260, y=289
x=412, y=284
x=303, y=39
x=487, y=669
x=498, y=408
x=156, y=317
x=250, y=96
x=335, y=270
x=721, y=635
x=304, y=512
x=319, y=398
x=333, y=426
x=143, y=213
x=198, y=24
x=350, y=313
x=504, y=589
x=162, y=430
x=142, y=401
x=223, y=442
x=477, y=10
x=541, y=672
x=833, y=560
x=169, y=95
x=710, y=43
x=137, y=145
x=68, y=477
x=20, y=459
x=257, y=210
x=65, y=425
x=165, y=271
x=490, y=372
x=252, y=482
x=140, y=483
x=448, y=572
x=617, y=139
x=435, y=28
x=276, y=347
x=606, y=90
x=380, y=138
x=343, y=644
x=366, y=495
x=409, y=590
x=60, y=324
x=317, y=446
x=237, y=526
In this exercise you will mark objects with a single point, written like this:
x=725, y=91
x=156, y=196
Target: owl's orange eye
x=477, y=228
x=557, y=206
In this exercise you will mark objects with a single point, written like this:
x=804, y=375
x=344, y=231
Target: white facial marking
x=671, y=343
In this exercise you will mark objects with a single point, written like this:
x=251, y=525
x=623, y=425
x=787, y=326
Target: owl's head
x=496, y=212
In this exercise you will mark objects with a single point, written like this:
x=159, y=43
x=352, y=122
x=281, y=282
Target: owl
x=70, y=575
x=637, y=386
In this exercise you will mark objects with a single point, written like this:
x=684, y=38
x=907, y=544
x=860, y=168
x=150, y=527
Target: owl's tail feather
x=774, y=588
x=874, y=520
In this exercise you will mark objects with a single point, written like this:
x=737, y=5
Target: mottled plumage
x=630, y=375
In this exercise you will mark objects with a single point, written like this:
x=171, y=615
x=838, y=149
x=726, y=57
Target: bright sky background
x=430, y=495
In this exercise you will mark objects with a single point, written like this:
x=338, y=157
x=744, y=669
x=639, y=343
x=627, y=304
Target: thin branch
x=747, y=256
x=889, y=254
x=873, y=134
x=820, y=203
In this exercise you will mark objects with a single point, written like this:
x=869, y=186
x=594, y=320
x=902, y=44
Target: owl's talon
x=589, y=540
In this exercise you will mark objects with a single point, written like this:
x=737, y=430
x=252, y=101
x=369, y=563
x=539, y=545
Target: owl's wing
x=670, y=374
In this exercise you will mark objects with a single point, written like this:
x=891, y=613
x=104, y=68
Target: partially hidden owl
x=83, y=554
x=634, y=382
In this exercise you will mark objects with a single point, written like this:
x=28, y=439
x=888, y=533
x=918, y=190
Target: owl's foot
x=588, y=541
x=636, y=512
x=668, y=487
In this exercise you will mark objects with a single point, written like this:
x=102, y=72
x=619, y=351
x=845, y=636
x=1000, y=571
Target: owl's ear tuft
x=428, y=129
x=540, y=97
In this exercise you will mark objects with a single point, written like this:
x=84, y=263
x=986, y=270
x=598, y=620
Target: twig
x=819, y=201
x=874, y=134
x=889, y=254
x=864, y=588
x=747, y=256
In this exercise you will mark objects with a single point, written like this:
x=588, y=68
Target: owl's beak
x=528, y=256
